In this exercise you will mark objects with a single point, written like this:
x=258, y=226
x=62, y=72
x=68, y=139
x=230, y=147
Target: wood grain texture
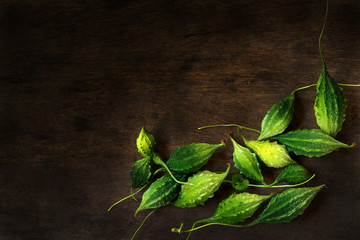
x=79, y=79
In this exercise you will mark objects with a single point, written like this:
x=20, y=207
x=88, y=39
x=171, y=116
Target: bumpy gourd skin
x=271, y=153
x=237, y=208
x=277, y=118
x=288, y=205
x=161, y=192
x=246, y=162
x=199, y=188
x=190, y=158
x=145, y=143
x=310, y=142
x=329, y=105
x=141, y=172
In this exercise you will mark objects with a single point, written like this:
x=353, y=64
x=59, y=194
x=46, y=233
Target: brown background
x=80, y=78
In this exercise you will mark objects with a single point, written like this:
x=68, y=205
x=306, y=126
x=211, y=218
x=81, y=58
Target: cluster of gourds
x=186, y=186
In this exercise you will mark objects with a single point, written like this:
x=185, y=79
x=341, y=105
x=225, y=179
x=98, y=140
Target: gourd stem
x=229, y=125
x=273, y=184
x=160, y=162
x=282, y=186
x=349, y=85
x=322, y=31
x=131, y=192
x=209, y=224
x=193, y=226
x=340, y=84
x=127, y=197
x=142, y=223
x=301, y=88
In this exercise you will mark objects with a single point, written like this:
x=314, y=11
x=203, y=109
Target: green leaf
x=277, y=118
x=141, y=172
x=145, y=143
x=161, y=192
x=329, y=105
x=239, y=183
x=288, y=205
x=310, y=143
x=293, y=174
x=246, y=162
x=237, y=208
x=199, y=188
x=190, y=158
x=271, y=153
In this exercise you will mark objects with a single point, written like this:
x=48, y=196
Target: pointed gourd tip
x=232, y=140
x=222, y=142
x=228, y=168
x=137, y=210
x=353, y=145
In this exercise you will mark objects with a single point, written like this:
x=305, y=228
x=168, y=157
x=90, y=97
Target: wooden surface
x=80, y=78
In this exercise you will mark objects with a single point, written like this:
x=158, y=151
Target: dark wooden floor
x=79, y=79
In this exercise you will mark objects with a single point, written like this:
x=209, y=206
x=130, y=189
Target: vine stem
x=127, y=197
x=179, y=230
x=349, y=85
x=132, y=194
x=142, y=223
x=322, y=32
x=276, y=186
x=229, y=125
x=305, y=87
x=282, y=186
x=193, y=226
x=157, y=160
x=340, y=84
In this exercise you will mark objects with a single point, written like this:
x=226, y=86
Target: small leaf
x=201, y=186
x=288, y=205
x=246, y=162
x=239, y=183
x=237, y=208
x=310, y=143
x=277, y=118
x=145, y=143
x=190, y=158
x=271, y=153
x=141, y=172
x=329, y=105
x=293, y=174
x=161, y=192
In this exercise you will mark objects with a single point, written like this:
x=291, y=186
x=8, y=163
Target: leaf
x=145, y=143
x=199, y=188
x=329, y=105
x=288, y=205
x=246, y=162
x=141, y=172
x=239, y=183
x=271, y=153
x=237, y=208
x=190, y=158
x=161, y=192
x=310, y=143
x=277, y=118
x=293, y=174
